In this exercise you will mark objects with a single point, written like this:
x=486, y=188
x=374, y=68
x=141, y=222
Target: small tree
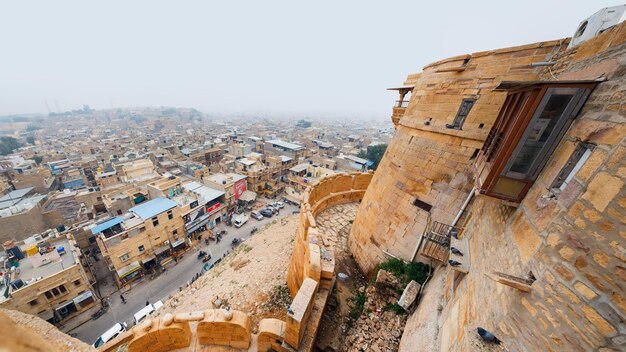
x=374, y=154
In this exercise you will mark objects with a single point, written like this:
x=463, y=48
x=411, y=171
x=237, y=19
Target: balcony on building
x=401, y=104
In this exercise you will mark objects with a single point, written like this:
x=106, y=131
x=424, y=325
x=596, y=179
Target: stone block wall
x=328, y=192
x=271, y=335
x=224, y=328
x=429, y=162
x=571, y=244
x=299, y=312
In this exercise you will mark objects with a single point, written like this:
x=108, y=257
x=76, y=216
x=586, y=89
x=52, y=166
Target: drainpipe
x=458, y=216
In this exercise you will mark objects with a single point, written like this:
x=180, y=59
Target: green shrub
x=395, y=307
x=405, y=272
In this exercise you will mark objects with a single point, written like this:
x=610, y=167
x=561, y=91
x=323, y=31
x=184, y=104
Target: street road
x=169, y=282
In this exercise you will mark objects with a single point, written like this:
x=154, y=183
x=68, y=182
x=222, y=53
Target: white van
x=110, y=334
x=145, y=311
x=240, y=220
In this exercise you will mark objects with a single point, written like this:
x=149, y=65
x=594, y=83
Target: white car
x=255, y=214
x=279, y=204
x=110, y=334
x=145, y=311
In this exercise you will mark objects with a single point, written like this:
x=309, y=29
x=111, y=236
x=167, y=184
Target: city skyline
x=259, y=59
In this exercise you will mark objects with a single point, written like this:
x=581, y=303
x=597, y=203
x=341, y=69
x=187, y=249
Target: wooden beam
x=512, y=281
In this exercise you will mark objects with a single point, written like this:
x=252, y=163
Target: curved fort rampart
x=310, y=280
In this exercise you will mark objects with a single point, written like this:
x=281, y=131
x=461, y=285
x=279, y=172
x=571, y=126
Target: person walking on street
x=123, y=299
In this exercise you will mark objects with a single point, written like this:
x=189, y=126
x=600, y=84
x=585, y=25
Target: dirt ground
x=251, y=279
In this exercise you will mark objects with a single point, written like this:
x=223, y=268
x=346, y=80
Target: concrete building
x=136, y=171
x=22, y=214
x=44, y=276
x=140, y=240
x=233, y=185
x=279, y=147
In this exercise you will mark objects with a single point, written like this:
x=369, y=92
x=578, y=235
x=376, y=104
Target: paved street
x=167, y=283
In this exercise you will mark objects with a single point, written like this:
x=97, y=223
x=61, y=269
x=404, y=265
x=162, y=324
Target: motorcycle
x=201, y=254
x=98, y=313
x=254, y=229
x=235, y=242
x=206, y=258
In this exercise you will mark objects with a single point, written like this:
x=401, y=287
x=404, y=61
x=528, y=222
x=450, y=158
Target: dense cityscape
x=476, y=204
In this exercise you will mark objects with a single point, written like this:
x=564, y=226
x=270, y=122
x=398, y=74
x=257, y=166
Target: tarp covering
x=248, y=196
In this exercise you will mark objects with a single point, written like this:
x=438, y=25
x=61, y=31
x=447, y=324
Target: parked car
x=145, y=311
x=256, y=215
x=110, y=334
x=277, y=205
x=267, y=212
x=274, y=209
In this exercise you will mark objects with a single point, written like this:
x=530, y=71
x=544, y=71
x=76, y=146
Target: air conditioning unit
x=598, y=23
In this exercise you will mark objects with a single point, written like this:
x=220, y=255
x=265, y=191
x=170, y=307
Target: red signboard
x=240, y=187
x=213, y=208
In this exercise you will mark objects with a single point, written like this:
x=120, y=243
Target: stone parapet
x=310, y=280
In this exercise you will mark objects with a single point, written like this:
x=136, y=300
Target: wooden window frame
x=511, y=129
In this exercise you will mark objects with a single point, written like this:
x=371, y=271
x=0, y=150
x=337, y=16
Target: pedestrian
x=147, y=303
x=123, y=299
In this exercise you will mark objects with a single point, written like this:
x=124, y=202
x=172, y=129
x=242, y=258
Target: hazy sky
x=315, y=58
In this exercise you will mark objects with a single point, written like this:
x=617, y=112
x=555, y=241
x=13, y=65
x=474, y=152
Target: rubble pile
x=381, y=323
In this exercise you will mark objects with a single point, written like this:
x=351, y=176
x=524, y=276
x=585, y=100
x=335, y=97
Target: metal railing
x=437, y=241
x=401, y=104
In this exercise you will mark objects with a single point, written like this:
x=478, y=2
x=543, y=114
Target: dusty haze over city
x=278, y=58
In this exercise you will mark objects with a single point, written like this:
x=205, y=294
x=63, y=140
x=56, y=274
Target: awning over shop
x=46, y=315
x=83, y=296
x=194, y=225
x=248, y=196
x=178, y=242
x=161, y=250
x=129, y=269
x=149, y=259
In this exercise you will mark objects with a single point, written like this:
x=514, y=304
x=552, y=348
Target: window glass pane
x=539, y=131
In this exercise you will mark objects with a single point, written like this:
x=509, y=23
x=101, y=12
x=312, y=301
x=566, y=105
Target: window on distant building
x=461, y=115
x=574, y=163
x=170, y=215
x=125, y=257
x=62, y=289
x=141, y=248
x=76, y=282
x=530, y=124
x=55, y=291
x=48, y=294
x=33, y=302
x=155, y=221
